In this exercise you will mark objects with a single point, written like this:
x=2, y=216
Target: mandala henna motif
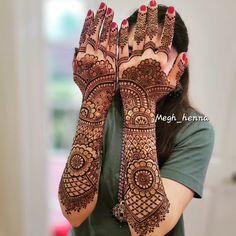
x=146, y=203
x=79, y=182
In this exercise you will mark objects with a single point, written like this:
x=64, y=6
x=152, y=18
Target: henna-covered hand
x=94, y=71
x=142, y=83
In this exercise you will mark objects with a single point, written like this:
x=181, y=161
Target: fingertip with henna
x=153, y=3
x=102, y=6
x=171, y=10
x=143, y=8
x=124, y=22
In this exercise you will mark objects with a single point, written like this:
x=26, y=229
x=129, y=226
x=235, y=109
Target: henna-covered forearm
x=143, y=83
x=145, y=199
x=94, y=71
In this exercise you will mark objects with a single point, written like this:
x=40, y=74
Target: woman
x=132, y=170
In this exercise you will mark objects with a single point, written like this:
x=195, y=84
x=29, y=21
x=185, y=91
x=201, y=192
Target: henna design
x=145, y=200
x=152, y=23
x=106, y=29
x=79, y=182
x=123, y=39
x=98, y=19
x=140, y=28
x=151, y=45
x=84, y=33
x=167, y=35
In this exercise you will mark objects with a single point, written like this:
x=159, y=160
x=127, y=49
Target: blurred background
x=40, y=104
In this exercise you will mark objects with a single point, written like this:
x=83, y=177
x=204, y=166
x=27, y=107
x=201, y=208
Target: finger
x=168, y=32
x=96, y=26
x=112, y=44
x=140, y=31
x=123, y=42
x=84, y=34
x=152, y=26
x=104, y=38
x=178, y=69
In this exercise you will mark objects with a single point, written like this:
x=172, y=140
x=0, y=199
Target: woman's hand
x=144, y=70
x=143, y=82
x=94, y=68
x=94, y=63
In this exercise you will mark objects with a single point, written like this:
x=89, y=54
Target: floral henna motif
x=79, y=182
x=146, y=203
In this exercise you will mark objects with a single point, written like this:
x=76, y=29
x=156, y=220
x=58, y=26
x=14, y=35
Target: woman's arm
x=143, y=83
x=94, y=69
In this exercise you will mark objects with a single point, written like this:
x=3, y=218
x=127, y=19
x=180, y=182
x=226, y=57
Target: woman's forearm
x=78, y=187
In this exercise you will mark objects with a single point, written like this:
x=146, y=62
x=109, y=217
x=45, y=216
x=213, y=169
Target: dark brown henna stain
x=150, y=45
x=152, y=23
x=146, y=203
x=123, y=39
x=168, y=33
x=106, y=28
x=79, y=182
x=84, y=33
x=140, y=28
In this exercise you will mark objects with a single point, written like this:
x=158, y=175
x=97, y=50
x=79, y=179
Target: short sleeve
x=190, y=157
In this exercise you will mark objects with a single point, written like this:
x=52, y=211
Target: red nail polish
x=89, y=13
x=153, y=3
x=171, y=10
x=113, y=25
x=184, y=56
x=109, y=11
x=186, y=60
x=102, y=5
x=143, y=8
x=124, y=22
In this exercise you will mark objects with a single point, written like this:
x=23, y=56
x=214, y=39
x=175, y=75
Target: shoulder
x=191, y=153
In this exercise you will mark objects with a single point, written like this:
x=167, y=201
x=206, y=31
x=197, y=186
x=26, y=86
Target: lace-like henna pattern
x=168, y=33
x=145, y=199
x=139, y=34
x=152, y=23
x=79, y=182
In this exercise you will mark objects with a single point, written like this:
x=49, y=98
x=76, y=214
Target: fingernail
x=171, y=10
x=89, y=13
x=185, y=58
x=153, y=3
x=124, y=22
x=113, y=25
x=109, y=11
x=143, y=8
x=102, y=5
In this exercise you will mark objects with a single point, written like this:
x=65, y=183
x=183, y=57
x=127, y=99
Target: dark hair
x=171, y=104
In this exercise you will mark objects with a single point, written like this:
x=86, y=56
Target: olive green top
x=187, y=165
